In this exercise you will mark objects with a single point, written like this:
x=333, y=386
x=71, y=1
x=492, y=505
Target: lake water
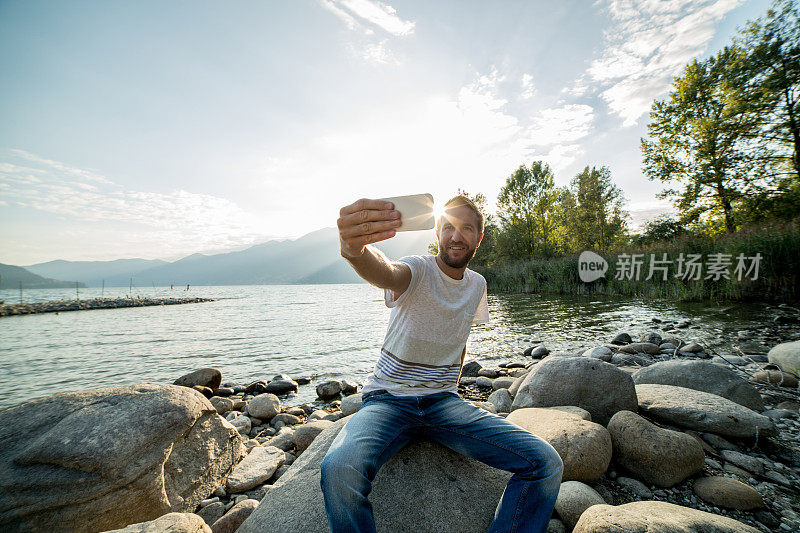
x=331, y=331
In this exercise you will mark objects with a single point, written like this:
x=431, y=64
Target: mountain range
x=12, y=276
x=312, y=258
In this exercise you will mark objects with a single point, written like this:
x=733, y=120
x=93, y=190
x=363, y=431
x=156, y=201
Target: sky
x=160, y=129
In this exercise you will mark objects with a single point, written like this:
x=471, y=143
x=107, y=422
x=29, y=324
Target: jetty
x=92, y=303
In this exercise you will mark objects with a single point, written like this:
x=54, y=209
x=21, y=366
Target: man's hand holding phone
x=365, y=222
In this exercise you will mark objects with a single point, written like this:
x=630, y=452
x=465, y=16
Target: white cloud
x=379, y=14
x=89, y=175
x=565, y=124
x=528, y=89
x=170, y=223
x=343, y=15
x=360, y=16
x=650, y=43
x=561, y=156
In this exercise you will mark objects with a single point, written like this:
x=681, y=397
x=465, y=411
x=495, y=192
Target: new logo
x=591, y=266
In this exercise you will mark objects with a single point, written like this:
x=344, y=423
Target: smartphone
x=416, y=211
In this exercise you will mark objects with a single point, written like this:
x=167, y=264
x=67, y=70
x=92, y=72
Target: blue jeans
x=385, y=423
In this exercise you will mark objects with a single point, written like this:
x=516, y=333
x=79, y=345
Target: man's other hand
x=365, y=222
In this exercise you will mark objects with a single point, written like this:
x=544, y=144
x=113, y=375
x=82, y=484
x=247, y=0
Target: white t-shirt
x=428, y=329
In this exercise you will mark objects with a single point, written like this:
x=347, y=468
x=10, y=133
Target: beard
x=444, y=253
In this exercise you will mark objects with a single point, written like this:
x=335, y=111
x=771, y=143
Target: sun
x=438, y=210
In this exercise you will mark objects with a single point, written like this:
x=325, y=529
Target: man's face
x=458, y=236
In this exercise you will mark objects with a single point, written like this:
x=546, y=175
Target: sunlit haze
x=161, y=129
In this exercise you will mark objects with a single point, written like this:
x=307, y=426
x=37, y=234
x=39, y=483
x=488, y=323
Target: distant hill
x=313, y=258
x=11, y=275
x=115, y=273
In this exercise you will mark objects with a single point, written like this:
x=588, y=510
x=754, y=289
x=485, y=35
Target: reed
x=778, y=242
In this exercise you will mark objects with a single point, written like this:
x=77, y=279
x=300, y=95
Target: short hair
x=461, y=200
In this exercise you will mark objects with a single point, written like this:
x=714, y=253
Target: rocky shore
x=92, y=303
x=658, y=432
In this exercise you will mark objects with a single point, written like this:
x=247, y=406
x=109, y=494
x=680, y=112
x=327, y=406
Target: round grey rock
x=599, y=387
x=203, y=377
x=329, y=389
x=573, y=499
x=657, y=456
x=351, y=404
x=702, y=411
x=599, y=352
x=702, y=376
x=655, y=517
x=264, y=406
x=787, y=356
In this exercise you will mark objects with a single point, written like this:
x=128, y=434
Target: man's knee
x=546, y=460
x=337, y=468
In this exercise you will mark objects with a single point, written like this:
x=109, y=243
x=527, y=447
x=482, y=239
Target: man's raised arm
x=361, y=224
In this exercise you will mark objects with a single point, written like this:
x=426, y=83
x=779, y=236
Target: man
x=413, y=389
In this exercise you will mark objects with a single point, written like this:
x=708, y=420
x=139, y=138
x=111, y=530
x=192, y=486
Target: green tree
x=661, y=228
x=696, y=140
x=769, y=77
x=526, y=209
x=567, y=214
x=598, y=218
x=770, y=73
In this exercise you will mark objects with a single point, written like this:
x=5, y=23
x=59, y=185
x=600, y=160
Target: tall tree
x=598, y=216
x=696, y=141
x=770, y=73
x=525, y=207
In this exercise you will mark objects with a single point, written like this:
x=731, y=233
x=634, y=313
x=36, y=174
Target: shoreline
x=269, y=442
x=58, y=306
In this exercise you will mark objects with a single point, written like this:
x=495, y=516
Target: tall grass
x=778, y=242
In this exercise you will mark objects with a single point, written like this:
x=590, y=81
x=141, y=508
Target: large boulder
x=655, y=455
x=465, y=496
x=104, y=458
x=584, y=447
x=702, y=411
x=655, y=517
x=204, y=377
x=600, y=388
x=787, y=356
x=171, y=522
x=702, y=376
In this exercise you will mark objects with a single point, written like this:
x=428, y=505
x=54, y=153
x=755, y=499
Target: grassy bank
x=778, y=277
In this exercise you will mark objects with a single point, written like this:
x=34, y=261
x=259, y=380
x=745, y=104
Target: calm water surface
x=255, y=332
